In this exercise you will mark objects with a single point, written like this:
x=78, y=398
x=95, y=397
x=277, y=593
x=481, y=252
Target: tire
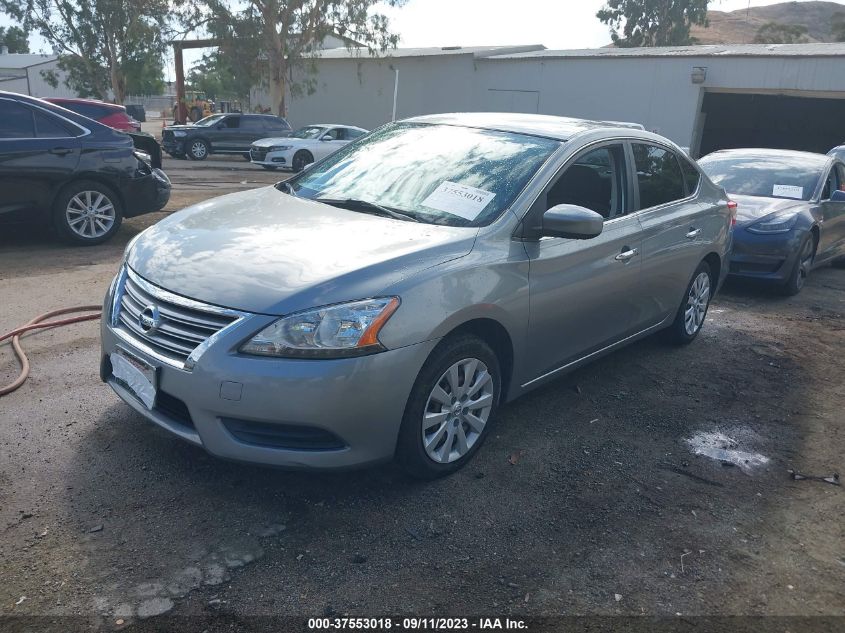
x=87, y=213
x=270, y=167
x=838, y=263
x=198, y=149
x=301, y=159
x=801, y=270
x=693, y=309
x=434, y=396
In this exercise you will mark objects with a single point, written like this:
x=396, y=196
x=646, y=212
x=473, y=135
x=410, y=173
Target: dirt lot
x=586, y=500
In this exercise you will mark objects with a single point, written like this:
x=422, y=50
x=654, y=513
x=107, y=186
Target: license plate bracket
x=136, y=375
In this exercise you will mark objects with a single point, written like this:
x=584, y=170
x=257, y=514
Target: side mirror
x=572, y=221
x=327, y=137
x=838, y=196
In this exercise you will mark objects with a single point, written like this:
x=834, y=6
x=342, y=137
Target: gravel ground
x=587, y=499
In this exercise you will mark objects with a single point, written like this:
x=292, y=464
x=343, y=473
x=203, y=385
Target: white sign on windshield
x=461, y=200
x=788, y=191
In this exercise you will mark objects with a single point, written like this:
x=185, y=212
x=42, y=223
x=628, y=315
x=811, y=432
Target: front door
x=832, y=233
x=583, y=293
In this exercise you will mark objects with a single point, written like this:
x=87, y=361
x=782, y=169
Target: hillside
x=740, y=27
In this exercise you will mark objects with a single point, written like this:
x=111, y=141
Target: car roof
x=60, y=100
x=808, y=158
x=555, y=127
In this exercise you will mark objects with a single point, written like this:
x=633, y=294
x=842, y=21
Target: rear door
x=676, y=227
x=584, y=293
x=252, y=129
x=38, y=153
x=832, y=233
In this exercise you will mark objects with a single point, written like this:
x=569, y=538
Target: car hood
x=172, y=128
x=751, y=208
x=276, y=140
x=267, y=252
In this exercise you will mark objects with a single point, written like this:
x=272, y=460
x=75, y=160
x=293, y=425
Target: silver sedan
x=384, y=302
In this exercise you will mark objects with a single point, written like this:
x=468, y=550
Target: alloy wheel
x=457, y=410
x=805, y=262
x=199, y=150
x=697, y=301
x=90, y=214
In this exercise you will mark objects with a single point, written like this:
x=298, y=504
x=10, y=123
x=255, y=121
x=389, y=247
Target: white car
x=307, y=145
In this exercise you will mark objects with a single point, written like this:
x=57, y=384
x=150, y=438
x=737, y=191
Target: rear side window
x=251, y=123
x=352, y=134
x=15, y=120
x=276, y=124
x=47, y=126
x=691, y=176
x=658, y=174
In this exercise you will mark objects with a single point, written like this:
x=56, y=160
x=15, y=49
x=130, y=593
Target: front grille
x=184, y=325
x=257, y=154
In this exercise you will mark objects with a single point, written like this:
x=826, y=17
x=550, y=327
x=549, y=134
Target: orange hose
x=36, y=324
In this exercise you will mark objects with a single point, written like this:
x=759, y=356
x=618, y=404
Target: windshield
x=209, y=120
x=310, y=131
x=764, y=175
x=439, y=174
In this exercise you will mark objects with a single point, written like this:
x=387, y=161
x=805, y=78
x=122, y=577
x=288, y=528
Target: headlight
x=338, y=331
x=179, y=133
x=778, y=223
x=280, y=148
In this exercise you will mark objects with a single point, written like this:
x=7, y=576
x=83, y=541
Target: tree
x=777, y=33
x=99, y=42
x=290, y=32
x=224, y=74
x=837, y=26
x=15, y=38
x=653, y=22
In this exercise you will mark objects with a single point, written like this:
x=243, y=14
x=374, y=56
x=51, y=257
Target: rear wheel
x=450, y=408
x=693, y=309
x=801, y=270
x=87, y=213
x=301, y=159
x=198, y=149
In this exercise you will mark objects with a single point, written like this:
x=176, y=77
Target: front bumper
x=146, y=194
x=769, y=258
x=313, y=414
x=281, y=159
x=173, y=146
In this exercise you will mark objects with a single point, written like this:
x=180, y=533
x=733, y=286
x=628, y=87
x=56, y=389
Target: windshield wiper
x=368, y=207
x=286, y=187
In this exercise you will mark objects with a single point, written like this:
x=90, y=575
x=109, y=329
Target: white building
x=702, y=97
x=24, y=73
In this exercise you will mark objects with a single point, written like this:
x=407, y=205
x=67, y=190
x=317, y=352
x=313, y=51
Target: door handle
x=626, y=256
x=60, y=151
x=693, y=233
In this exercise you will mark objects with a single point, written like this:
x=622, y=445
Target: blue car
x=790, y=213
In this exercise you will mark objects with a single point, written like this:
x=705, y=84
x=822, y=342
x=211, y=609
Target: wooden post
x=181, y=108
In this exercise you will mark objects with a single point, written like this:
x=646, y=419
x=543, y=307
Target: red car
x=109, y=114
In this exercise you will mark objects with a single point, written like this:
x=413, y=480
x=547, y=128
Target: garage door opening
x=775, y=121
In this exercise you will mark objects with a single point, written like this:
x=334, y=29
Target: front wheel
x=693, y=309
x=300, y=160
x=87, y=213
x=198, y=149
x=801, y=269
x=450, y=408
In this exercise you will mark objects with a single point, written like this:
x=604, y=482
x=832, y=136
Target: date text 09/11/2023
x=416, y=624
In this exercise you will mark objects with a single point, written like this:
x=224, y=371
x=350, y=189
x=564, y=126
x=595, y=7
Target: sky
x=553, y=23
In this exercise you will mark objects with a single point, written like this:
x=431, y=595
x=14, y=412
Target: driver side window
x=595, y=181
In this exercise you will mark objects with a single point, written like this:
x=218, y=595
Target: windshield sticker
x=788, y=191
x=461, y=200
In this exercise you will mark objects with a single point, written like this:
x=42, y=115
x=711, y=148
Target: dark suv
x=83, y=176
x=221, y=134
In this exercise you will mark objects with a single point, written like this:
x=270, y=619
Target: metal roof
x=714, y=50
x=24, y=60
x=475, y=51
x=556, y=127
